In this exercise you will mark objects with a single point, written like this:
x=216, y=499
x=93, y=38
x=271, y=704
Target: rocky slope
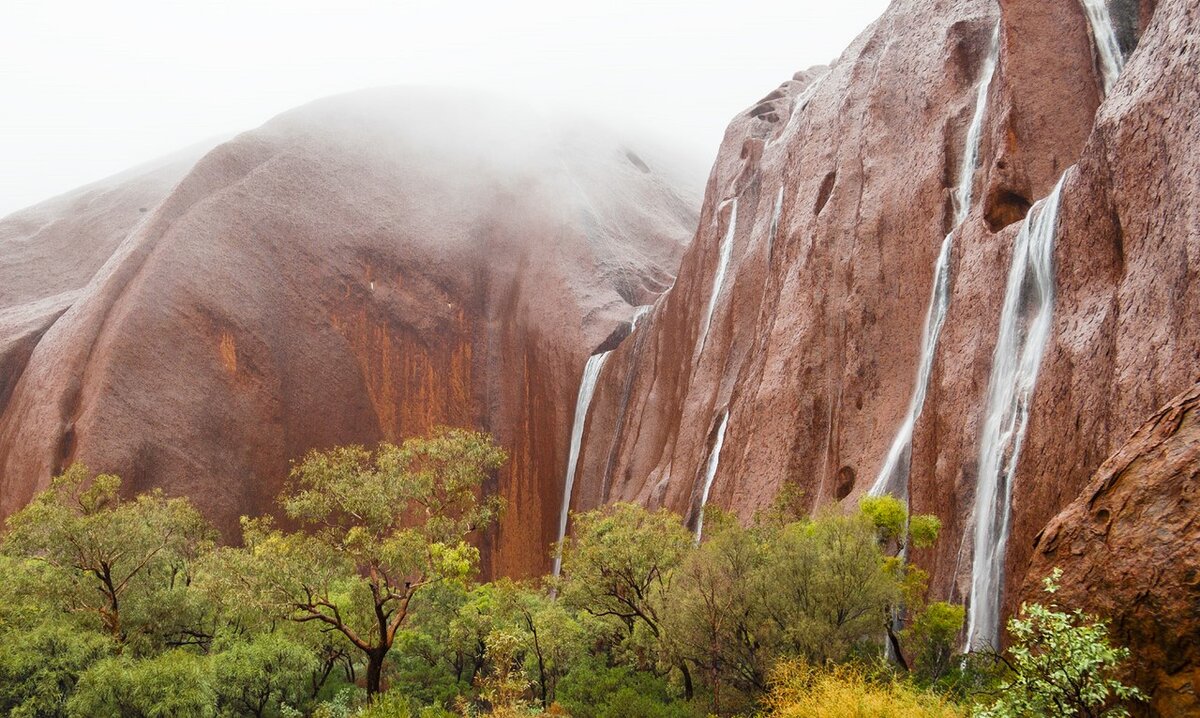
x=358, y=269
x=802, y=367
x=1128, y=549
x=367, y=266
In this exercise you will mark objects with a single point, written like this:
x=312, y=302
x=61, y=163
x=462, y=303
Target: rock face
x=51, y=251
x=812, y=341
x=359, y=269
x=368, y=266
x=1128, y=549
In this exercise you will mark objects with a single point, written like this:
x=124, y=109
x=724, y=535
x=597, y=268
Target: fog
x=91, y=89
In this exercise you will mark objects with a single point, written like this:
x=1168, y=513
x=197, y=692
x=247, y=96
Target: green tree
x=377, y=528
x=595, y=690
x=1063, y=666
x=827, y=585
x=618, y=565
x=258, y=676
x=932, y=636
x=40, y=666
x=714, y=615
x=174, y=683
x=111, y=552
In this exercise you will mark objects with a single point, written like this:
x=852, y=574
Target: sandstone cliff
x=835, y=193
x=358, y=269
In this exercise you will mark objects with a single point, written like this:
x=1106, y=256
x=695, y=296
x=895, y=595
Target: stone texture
x=814, y=341
x=358, y=269
x=1129, y=547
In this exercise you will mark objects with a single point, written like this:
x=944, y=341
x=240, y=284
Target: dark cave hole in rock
x=825, y=191
x=1003, y=207
x=637, y=161
x=845, y=482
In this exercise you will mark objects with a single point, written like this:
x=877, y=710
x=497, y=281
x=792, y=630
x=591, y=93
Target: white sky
x=89, y=88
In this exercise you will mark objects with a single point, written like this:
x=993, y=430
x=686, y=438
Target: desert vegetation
x=362, y=599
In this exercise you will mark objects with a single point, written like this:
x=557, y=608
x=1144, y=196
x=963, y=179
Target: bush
x=592, y=690
x=799, y=690
x=1063, y=666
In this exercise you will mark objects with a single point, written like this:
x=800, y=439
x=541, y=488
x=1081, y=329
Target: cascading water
x=719, y=278
x=1025, y=324
x=775, y=214
x=638, y=314
x=893, y=477
x=587, y=387
x=710, y=470
x=1108, y=50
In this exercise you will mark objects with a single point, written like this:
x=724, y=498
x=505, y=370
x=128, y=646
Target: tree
x=932, y=636
x=827, y=585
x=377, y=527
x=618, y=565
x=259, y=676
x=175, y=683
x=1062, y=664
x=109, y=549
x=41, y=665
x=714, y=617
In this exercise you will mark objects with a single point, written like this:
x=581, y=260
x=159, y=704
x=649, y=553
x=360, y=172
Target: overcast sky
x=90, y=88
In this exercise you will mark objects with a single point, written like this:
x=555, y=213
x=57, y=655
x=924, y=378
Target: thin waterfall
x=587, y=387
x=893, y=476
x=710, y=470
x=639, y=313
x=1025, y=324
x=1108, y=50
x=801, y=103
x=719, y=277
x=775, y=214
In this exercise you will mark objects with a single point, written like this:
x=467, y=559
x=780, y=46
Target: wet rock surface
x=359, y=269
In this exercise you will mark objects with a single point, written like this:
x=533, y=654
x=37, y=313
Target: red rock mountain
x=298, y=288
x=359, y=269
x=822, y=224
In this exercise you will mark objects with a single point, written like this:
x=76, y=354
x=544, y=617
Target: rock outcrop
x=1128, y=548
x=841, y=184
x=367, y=266
x=358, y=269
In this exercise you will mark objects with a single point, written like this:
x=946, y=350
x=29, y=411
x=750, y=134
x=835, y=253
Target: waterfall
x=774, y=225
x=587, y=387
x=638, y=314
x=1108, y=50
x=710, y=470
x=719, y=277
x=1025, y=324
x=893, y=476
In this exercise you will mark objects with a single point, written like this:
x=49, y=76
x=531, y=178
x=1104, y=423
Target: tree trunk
x=688, y=691
x=894, y=641
x=374, y=673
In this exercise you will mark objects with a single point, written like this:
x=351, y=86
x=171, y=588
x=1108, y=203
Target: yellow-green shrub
x=800, y=690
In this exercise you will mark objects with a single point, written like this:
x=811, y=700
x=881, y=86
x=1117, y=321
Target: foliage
x=827, y=585
x=593, y=690
x=1063, y=666
x=259, y=676
x=380, y=526
x=175, y=683
x=932, y=636
x=801, y=690
x=40, y=666
x=620, y=560
x=118, y=560
x=714, y=612
x=365, y=606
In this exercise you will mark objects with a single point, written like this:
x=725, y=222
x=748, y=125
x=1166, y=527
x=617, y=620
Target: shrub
x=1063, y=666
x=800, y=690
x=592, y=690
